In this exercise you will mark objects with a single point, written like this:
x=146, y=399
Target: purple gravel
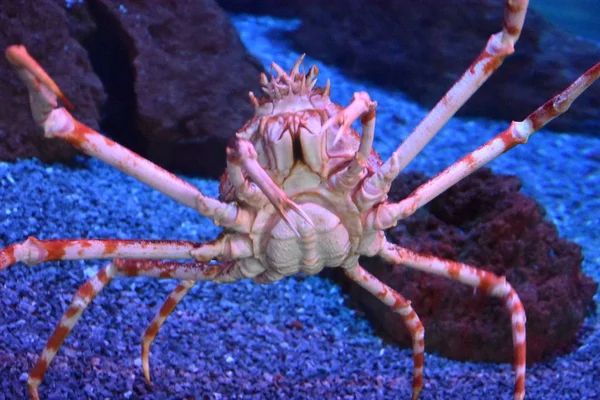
x=243, y=341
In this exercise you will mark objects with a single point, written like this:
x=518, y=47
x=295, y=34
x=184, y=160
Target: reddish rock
x=486, y=222
x=41, y=25
x=423, y=47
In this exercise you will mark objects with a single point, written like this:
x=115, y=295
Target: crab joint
x=230, y=247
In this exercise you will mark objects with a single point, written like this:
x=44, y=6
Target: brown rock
x=423, y=47
x=41, y=25
x=486, y=222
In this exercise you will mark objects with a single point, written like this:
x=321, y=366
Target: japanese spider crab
x=302, y=191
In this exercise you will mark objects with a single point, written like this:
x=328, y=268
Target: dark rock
x=422, y=48
x=176, y=74
x=182, y=83
x=41, y=25
x=486, y=222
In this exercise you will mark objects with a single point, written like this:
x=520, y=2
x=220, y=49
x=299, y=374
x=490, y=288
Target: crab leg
x=33, y=251
x=361, y=106
x=518, y=133
x=228, y=247
x=482, y=280
x=159, y=319
x=400, y=306
x=499, y=46
x=59, y=123
x=87, y=292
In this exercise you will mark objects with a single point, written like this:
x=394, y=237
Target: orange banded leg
x=499, y=46
x=59, y=123
x=87, y=292
x=400, y=306
x=517, y=133
x=159, y=319
x=485, y=281
x=34, y=251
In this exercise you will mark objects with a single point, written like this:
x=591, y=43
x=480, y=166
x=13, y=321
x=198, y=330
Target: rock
x=41, y=25
x=486, y=222
x=176, y=74
x=422, y=48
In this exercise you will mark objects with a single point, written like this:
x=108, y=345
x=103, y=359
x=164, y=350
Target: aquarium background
x=579, y=17
x=292, y=339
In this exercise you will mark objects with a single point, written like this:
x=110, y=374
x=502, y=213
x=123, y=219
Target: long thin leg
x=34, y=251
x=159, y=319
x=518, y=133
x=498, y=47
x=193, y=271
x=400, y=306
x=484, y=281
x=59, y=123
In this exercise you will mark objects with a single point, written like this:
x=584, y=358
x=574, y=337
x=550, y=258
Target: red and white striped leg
x=386, y=215
x=59, y=123
x=484, y=281
x=34, y=251
x=499, y=46
x=159, y=319
x=191, y=271
x=401, y=306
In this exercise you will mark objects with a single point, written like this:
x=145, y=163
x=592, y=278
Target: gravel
x=292, y=339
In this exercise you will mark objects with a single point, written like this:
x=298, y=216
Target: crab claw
x=361, y=103
x=43, y=91
x=242, y=152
